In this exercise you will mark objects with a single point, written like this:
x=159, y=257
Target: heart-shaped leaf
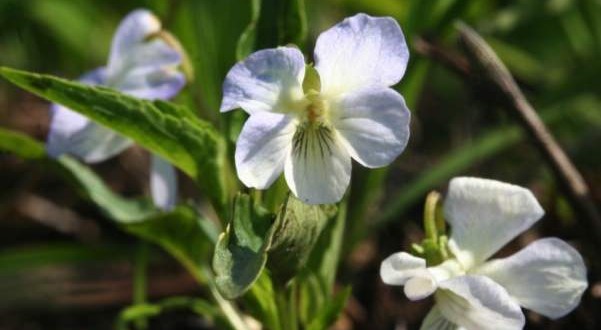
x=241, y=252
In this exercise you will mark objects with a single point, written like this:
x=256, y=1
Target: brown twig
x=57, y=217
x=484, y=69
x=452, y=61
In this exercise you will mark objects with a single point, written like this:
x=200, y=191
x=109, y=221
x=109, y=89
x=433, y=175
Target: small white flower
x=548, y=276
x=141, y=64
x=310, y=128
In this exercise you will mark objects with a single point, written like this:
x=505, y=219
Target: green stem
x=286, y=303
x=281, y=302
x=202, y=274
x=430, y=211
x=230, y=312
x=293, y=306
x=140, y=281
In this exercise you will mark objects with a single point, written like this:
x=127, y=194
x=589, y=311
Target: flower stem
x=430, y=215
x=139, y=280
x=227, y=308
x=293, y=306
x=203, y=276
x=286, y=300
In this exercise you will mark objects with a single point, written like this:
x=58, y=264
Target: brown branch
x=452, y=61
x=484, y=70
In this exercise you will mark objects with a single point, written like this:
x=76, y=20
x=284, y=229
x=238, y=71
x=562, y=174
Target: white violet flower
x=309, y=122
x=548, y=276
x=143, y=62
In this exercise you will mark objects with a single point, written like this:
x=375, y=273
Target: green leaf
x=22, y=280
x=260, y=300
x=21, y=145
x=326, y=254
x=69, y=22
x=241, y=252
x=519, y=62
x=281, y=23
x=312, y=296
x=93, y=188
x=293, y=22
x=142, y=311
x=328, y=315
x=296, y=231
x=248, y=38
x=22, y=259
x=182, y=232
x=81, y=176
x=209, y=30
x=317, y=281
x=164, y=128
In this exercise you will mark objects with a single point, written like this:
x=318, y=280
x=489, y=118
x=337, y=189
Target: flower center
x=314, y=136
x=314, y=109
x=317, y=110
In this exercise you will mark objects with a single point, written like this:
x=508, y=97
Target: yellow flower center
x=316, y=112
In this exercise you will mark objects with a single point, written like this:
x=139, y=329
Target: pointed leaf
x=93, y=188
x=164, y=128
x=141, y=311
x=328, y=315
x=248, y=38
x=273, y=23
x=281, y=23
x=261, y=303
x=21, y=145
x=181, y=232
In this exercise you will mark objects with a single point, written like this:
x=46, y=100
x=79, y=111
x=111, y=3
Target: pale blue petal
x=268, y=80
x=143, y=64
x=163, y=183
x=134, y=46
x=132, y=30
x=374, y=123
x=74, y=134
x=159, y=84
x=152, y=53
x=361, y=51
x=262, y=148
x=94, y=77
